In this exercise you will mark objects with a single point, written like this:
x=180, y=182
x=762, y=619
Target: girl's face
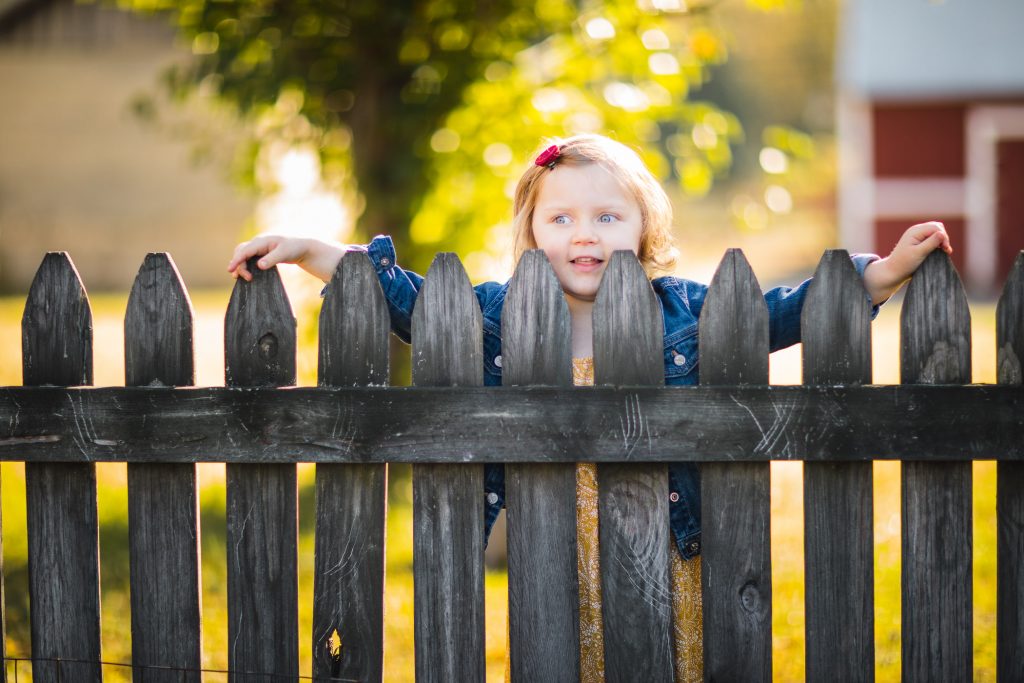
x=582, y=216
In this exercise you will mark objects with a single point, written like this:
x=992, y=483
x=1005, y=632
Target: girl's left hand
x=915, y=245
x=882, y=278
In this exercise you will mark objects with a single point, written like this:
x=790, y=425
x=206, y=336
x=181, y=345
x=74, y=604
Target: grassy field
x=787, y=515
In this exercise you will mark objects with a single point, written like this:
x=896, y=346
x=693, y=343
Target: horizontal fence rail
x=352, y=425
x=515, y=424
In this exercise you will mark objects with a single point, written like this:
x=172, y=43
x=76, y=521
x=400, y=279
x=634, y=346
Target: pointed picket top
x=627, y=310
x=447, y=328
x=1010, y=326
x=935, y=326
x=158, y=327
x=354, y=326
x=536, y=335
x=835, y=326
x=56, y=327
x=259, y=332
x=733, y=327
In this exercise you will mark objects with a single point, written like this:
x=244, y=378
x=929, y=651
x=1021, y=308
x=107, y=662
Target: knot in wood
x=750, y=597
x=268, y=346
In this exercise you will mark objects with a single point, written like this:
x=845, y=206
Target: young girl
x=582, y=199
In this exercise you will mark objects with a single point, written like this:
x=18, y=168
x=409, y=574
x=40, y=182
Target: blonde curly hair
x=656, y=254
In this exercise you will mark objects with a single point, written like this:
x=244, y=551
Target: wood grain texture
x=537, y=424
x=158, y=348
x=1010, y=490
x=935, y=328
x=163, y=517
x=838, y=517
x=448, y=500
x=735, y=497
x=262, y=506
x=636, y=591
x=63, y=549
x=541, y=499
x=351, y=500
x=354, y=319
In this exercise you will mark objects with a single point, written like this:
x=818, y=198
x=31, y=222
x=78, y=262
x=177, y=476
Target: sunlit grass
x=787, y=521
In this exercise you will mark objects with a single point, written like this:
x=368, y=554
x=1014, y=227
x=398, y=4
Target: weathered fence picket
x=448, y=500
x=540, y=498
x=838, y=533
x=351, y=426
x=163, y=515
x=935, y=329
x=735, y=497
x=351, y=499
x=636, y=592
x=63, y=540
x=262, y=499
x=1010, y=490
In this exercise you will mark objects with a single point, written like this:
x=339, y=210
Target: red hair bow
x=547, y=157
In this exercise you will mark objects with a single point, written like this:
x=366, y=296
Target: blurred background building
x=931, y=125
x=79, y=171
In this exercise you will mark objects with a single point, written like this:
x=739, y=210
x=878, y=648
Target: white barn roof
x=932, y=49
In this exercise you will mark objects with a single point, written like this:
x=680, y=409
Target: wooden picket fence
x=351, y=425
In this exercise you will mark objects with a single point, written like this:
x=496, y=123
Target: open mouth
x=587, y=261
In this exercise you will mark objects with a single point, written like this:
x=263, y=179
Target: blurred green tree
x=424, y=111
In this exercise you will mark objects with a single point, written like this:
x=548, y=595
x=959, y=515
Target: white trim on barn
x=986, y=126
x=916, y=197
x=856, y=199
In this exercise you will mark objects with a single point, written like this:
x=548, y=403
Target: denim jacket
x=681, y=301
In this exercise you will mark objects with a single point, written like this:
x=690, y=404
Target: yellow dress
x=687, y=613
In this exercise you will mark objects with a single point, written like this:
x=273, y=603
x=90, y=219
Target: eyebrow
x=602, y=207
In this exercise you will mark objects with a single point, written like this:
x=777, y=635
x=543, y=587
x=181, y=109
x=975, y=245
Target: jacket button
x=497, y=360
x=694, y=547
x=674, y=497
x=679, y=359
x=385, y=261
x=492, y=498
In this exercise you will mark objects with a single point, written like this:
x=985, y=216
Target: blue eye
x=607, y=218
x=561, y=219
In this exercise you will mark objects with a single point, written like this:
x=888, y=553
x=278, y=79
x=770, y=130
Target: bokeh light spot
x=655, y=39
x=778, y=199
x=498, y=154
x=773, y=160
x=205, y=43
x=444, y=140
x=663, y=64
x=600, y=28
x=548, y=100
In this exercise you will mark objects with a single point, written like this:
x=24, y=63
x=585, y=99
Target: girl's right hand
x=273, y=248
x=315, y=257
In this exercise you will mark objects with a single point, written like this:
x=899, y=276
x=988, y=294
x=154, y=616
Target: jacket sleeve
x=401, y=287
x=786, y=303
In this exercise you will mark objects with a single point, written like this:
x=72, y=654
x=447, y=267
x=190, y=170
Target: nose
x=584, y=233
